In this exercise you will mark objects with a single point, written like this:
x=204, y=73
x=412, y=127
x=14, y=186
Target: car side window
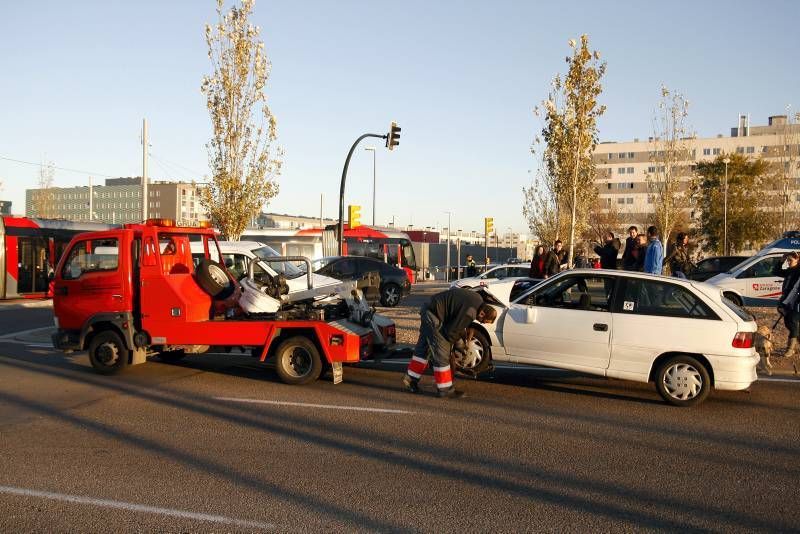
x=650, y=297
x=236, y=264
x=91, y=256
x=345, y=268
x=762, y=268
x=591, y=293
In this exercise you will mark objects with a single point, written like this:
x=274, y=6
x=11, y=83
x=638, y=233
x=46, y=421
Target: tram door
x=32, y=258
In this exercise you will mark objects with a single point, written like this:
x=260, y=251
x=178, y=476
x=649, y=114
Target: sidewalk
x=19, y=304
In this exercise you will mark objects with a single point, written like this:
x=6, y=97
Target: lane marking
x=40, y=345
x=133, y=507
x=311, y=405
x=769, y=379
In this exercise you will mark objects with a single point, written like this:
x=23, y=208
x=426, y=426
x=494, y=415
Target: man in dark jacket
x=789, y=304
x=443, y=321
x=608, y=252
x=552, y=262
x=628, y=256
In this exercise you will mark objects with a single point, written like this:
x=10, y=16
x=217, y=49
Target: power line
x=77, y=171
x=176, y=165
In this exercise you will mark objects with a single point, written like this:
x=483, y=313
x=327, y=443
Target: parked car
x=394, y=283
x=499, y=272
x=681, y=335
x=708, y=267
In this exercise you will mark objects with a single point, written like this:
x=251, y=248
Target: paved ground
x=219, y=444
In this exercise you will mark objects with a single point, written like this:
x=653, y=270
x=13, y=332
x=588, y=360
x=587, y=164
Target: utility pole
x=145, y=199
x=372, y=149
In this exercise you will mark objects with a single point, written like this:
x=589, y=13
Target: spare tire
x=214, y=279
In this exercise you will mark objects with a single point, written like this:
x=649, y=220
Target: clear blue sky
x=461, y=78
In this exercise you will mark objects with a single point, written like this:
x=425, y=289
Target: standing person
x=608, y=252
x=789, y=304
x=472, y=268
x=678, y=260
x=639, y=252
x=561, y=254
x=581, y=260
x=538, y=263
x=628, y=260
x=443, y=321
x=552, y=264
x=654, y=258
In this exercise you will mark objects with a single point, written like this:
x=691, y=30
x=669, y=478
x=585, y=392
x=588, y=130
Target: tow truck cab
x=123, y=293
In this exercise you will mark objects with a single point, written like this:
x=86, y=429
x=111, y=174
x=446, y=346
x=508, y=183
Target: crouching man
x=443, y=321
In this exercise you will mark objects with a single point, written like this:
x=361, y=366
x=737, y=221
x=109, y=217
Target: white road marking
x=766, y=379
x=133, y=507
x=12, y=335
x=311, y=405
x=40, y=345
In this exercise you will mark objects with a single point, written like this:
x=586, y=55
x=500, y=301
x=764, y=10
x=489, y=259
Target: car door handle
x=601, y=327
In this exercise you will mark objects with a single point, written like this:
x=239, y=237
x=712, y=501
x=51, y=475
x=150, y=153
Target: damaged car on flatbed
x=127, y=293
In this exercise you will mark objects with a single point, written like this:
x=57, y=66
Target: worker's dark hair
x=489, y=313
x=633, y=228
x=652, y=231
x=679, y=238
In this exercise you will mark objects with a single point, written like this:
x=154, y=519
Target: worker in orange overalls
x=443, y=321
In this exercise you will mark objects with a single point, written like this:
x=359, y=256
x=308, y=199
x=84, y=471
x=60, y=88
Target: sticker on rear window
x=627, y=305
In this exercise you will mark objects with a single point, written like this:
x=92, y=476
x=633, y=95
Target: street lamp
x=725, y=210
x=372, y=149
x=447, y=273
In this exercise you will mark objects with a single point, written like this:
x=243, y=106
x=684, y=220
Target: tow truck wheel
x=297, y=361
x=107, y=353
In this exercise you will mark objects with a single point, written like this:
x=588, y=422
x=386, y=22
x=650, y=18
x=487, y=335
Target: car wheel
x=214, y=280
x=479, y=353
x=171, y=356
x=733, y=297
x=390, y=295
x=297, y=361
x=108, y=353
x=683, y=381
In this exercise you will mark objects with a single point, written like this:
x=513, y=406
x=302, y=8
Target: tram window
x=91, y=256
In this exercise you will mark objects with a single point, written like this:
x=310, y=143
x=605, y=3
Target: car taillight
x=743, y=340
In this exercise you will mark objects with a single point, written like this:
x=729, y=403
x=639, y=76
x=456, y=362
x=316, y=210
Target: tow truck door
x=92, y=278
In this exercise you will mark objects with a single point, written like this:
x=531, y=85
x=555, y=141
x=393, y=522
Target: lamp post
x=725, y=211
x=372, y=149
x=447, y=272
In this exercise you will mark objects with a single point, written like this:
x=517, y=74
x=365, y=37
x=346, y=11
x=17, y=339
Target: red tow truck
x=125, y=293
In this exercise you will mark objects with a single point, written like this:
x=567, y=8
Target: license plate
x=338, y=372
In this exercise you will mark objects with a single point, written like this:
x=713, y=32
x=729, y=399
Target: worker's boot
x=410, y=384
x=791, y=349
x=450, y=393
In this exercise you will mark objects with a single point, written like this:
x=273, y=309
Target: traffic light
x=394, y=136
x=354, y=215
x=488, y=225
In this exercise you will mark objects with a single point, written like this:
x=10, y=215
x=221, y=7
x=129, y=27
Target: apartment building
x=622, y=167
x=118, y=201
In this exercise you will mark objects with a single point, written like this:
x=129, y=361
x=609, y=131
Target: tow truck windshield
x=289, y=270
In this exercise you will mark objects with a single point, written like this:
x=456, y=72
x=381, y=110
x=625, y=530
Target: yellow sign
x=354, y=215
x=488, y=224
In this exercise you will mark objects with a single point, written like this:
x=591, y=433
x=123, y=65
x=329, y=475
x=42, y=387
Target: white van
x=751, y=282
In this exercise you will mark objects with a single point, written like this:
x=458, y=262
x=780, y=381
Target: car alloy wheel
x=682, y=381
x=391, y=295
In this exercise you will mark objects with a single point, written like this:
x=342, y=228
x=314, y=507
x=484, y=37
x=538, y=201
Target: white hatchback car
x=509, y=271
x=682, y=335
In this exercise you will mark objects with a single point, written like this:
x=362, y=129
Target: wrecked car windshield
x=289, y=270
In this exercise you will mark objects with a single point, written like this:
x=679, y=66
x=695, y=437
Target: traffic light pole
x=340, y=232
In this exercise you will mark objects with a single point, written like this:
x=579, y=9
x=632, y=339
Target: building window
x=622, y=185
x=630, y=155
x=609, y=186
x=706, y=151
x=751, y=149
x=740, y=150
x=630, y=170
x=631, y=184
x=651, y=169
x=620, y=200
x=621, y=155
x=610, y=155
x=629, y=200
x=621, y=170
x=717, y=151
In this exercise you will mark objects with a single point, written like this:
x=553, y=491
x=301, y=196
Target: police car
x=751, y=282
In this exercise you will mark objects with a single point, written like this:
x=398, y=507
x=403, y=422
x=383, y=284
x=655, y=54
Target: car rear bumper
x=733, y=373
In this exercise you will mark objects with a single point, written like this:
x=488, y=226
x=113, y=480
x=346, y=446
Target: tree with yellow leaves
x=243, y=159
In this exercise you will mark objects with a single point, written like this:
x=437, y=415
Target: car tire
x=108, y=353
x=171, y=356
x=733, y=297
x=486, y=353
x=297, y=361
x=683, y=381
x=214, y=279
x=390, y=295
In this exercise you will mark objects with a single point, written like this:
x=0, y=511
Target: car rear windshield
x=740, y=312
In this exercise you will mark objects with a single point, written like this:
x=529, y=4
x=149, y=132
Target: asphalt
x=173, y=448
